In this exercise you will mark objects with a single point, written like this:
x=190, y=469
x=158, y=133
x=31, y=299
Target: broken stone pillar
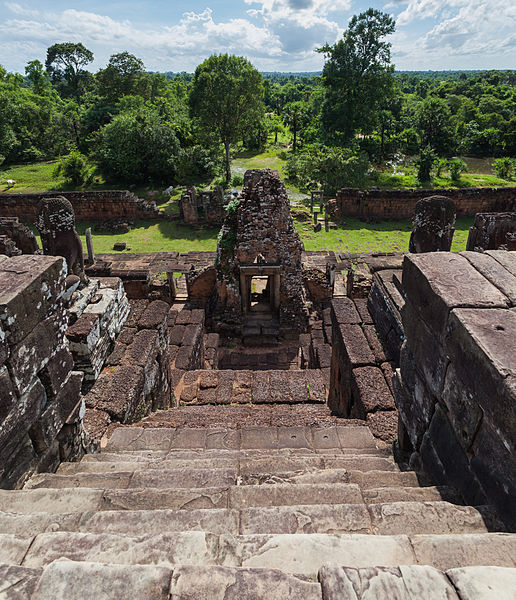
x=433, y=225
x=326, y=219
x=89, y=246
x=316, y=214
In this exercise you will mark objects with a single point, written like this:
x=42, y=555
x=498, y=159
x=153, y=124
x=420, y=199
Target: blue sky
x=276, y=35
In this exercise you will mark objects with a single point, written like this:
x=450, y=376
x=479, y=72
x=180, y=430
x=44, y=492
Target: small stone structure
x=258, y=239
x=16, y=238
x=204, y=207
x=433, y=225
x=456, y=385
x=40, y=401
x=56, y=225
x=491, y=230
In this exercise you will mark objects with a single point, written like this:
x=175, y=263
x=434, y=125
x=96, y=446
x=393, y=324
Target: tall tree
x=65, y=62
x=124, y=75
x=226, y=97
x=358, y=75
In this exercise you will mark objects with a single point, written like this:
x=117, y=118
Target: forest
x=343, y=127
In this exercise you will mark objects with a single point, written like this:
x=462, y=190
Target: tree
x=124, y=75
x=294, y=114
x=226, y=97
x=37, y=76
x=358, y=75
x=433, y=120
x=65, y=62
x=137, y=147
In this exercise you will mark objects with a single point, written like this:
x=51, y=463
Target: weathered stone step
x=199, y=478
x=291, y=553
x=384, y=519
x=260, y=438
x=76, y=581
x=411, y=494
x=415, y=581
x=77, y=500
x=244, y=466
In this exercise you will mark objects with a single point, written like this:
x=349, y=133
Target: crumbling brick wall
x=400, y=204
x=88, y=205
x=456, y=386
x=40, y=401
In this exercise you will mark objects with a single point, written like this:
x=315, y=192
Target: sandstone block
x=143, y=349
x=356, y=346
x=495, y=272
x=226, y=583
x=481, y=343
x=30, y=289
x=56, y=372
x=77, y=580
x=484, y=583
x=438, y=282
x=33, y=353
x=344, y=311
x=155, y=315
x=370, y=392
x=17, y=583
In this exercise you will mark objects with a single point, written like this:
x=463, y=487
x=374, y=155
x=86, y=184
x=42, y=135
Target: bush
x=503, y=167
x=137, y=147
x=74, y=168
x=237, y=180
x=195, y=165
x=424, y=163
x=456, y=167
x=332, y=168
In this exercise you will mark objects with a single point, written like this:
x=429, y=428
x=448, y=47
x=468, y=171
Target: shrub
x=424, y=163
x=237, y=180
x=74, y=168
x=196, y=164
x=331, y=167
x=503, y=167
x=456, y=167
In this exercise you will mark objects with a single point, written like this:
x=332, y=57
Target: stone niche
x=259, y=271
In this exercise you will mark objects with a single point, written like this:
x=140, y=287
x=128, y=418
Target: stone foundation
x=456, y=386
x=40, y=402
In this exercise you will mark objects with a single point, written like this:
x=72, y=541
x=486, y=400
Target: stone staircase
x=300, y=512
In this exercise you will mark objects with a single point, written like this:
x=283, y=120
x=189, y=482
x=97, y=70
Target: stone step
x=411, y=494
x=383, y=519
x=76, y=581
x=77, y=500
x=416, y=581
x=290, y=553
x=199, y=478
x=259, y=438
x=245, y=466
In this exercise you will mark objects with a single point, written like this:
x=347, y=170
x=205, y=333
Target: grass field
x=355, y=236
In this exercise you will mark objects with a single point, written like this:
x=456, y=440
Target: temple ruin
x=264, y=421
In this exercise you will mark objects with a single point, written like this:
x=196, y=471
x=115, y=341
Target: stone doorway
x=260, y=289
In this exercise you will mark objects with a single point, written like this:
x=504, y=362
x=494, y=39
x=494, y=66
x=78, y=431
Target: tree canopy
x=358, y=76
x=226, y=96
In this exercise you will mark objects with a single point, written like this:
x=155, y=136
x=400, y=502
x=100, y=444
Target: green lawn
x=386, y=236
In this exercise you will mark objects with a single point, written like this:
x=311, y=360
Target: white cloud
x=181, y=46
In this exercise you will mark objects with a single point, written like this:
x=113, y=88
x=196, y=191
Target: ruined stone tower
x=259, y=281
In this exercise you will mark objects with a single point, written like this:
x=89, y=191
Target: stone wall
x=360, y=372
x=40, y=401
x=456, y=386
x=400, y=204
x=136, y=378
x=88, y=205
x=490, y=231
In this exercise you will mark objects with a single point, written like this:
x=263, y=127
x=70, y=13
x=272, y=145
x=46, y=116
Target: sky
x=275, y=35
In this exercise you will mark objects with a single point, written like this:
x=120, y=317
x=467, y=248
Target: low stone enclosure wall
x=88, y=205
x=456, y=386
x=400, y=204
